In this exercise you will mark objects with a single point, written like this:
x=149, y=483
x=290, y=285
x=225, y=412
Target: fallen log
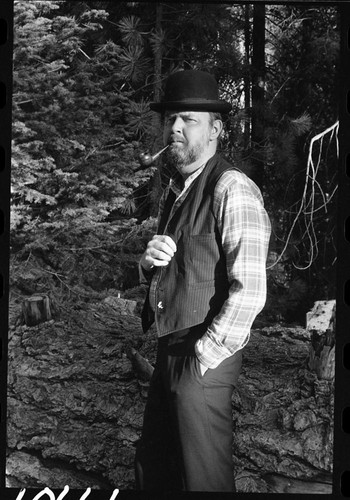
x=281, y=484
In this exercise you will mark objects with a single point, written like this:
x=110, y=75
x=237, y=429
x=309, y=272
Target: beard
x=179, y=154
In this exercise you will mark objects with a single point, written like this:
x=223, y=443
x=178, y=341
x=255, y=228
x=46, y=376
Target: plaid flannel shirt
x=245, y=231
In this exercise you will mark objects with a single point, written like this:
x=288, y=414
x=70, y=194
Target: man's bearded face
x=188, y=136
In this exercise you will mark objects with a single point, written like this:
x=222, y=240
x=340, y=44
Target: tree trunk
x=158, y=56
x=156, y=182
x=247, y=79
x=258, y=93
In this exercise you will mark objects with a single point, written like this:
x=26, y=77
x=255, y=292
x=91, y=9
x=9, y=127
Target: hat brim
x=192, y=105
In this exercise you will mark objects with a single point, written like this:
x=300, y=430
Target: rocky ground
x=75, y=405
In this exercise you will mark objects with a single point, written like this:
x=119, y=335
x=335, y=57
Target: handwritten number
x=51, y=494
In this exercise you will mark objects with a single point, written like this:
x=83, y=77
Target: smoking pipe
x=146, y=159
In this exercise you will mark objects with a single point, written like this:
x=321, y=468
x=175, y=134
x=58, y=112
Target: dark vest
x=193, y=287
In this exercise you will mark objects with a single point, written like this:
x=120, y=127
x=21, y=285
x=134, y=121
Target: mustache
x=175, y=138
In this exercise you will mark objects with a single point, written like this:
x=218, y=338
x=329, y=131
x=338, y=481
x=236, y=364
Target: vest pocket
x=204, y=265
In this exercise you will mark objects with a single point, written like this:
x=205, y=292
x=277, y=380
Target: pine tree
x=74, y=140
x=82, y=117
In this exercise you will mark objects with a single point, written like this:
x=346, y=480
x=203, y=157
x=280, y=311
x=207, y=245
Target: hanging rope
x=307, y=207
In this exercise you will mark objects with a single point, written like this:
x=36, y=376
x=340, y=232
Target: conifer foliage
x=84, y=73
x=74, y=143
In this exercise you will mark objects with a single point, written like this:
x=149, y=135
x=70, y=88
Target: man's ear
x=216, y=130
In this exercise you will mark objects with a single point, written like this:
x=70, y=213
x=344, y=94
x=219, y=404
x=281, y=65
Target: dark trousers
x=186, y=442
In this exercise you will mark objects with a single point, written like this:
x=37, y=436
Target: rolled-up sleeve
x=245, y=231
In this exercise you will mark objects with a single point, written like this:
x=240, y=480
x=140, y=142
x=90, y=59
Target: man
x=206, y=269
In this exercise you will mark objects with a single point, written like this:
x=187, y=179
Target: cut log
x=320, y=322
x=141, y=366
x=36, y=309
x=322, y=316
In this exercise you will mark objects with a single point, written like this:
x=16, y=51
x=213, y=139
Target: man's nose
x=177, y=124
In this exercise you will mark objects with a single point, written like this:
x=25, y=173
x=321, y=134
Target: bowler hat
x=191, y=90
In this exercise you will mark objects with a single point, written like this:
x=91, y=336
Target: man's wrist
x=144, y=274
x=145, y=265
x=203, y=368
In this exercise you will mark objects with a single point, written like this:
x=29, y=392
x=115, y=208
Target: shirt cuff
x=211, y=354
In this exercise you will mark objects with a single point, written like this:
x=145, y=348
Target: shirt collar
x=177, y=184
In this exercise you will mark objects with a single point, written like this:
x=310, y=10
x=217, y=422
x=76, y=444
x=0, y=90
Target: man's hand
x=159, y=252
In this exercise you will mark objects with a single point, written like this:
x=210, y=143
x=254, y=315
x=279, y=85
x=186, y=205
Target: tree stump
x=320, y=322
x=36, y=309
